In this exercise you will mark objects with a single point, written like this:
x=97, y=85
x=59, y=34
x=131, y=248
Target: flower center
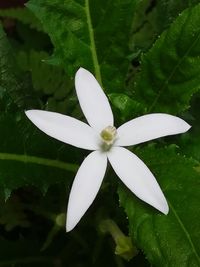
x=108, y=136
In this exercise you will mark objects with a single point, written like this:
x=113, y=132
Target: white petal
x=85, y=187
x=149, y=127
x=137, y=177
x=93, y=101
x=64, y=128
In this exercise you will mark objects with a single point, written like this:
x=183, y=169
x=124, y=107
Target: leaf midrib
x=185, y=231
x=180, y=222
x=92, y=43
x=40, y=161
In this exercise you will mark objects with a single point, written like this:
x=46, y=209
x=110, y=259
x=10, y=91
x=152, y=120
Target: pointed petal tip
x=81, y=70
x=184, y=127
x=187, y=127
x=71, y=221
x=69, y=227
x=166, y=212
x=85, y=187
x=29, y=112
x=164, y=208
x=83, y=73
x=149, y=127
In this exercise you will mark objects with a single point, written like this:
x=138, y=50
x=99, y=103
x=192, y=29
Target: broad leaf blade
x=29, y=158
x=84, y=34
x=171, y=240
x=170, y=70
x=126, y=106
x=23, y=15
x=168, y=10
x=15, y=83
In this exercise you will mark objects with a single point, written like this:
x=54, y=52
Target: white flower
x=106, y=141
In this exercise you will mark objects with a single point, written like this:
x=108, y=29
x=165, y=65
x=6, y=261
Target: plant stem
x=124, y=247
x=40, y=161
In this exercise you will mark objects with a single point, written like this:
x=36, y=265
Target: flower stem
x=124, y=246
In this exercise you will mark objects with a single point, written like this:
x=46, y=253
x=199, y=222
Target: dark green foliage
x=171, y=240
x=84, y=34
x=127, y=107
x=167, y=11
x=22, y=151
x=48, y=80
x=18, y=88
x=23, y=15
x=146, y=54
x=170, y=70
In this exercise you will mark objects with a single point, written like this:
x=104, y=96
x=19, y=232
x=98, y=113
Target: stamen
x=108, y=135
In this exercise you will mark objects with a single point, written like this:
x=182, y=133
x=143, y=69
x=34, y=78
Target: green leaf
x=170, y=70
x=168, y=10
x=23, y=15
x=47, y=79
x=84, y=34
x=190, y=142
x=14, y=83
x=29, y=158
x=190, y=145
x=128, y=107
x=152, y=19
x=144, y=28
x=171, y=240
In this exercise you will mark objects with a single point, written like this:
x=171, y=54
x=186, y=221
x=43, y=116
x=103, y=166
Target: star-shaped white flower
x=106, y=141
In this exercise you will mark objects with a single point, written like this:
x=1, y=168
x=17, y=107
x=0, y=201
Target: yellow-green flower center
x=108, y=135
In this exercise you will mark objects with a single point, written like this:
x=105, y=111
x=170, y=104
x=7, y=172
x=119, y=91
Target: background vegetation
x=146, y=54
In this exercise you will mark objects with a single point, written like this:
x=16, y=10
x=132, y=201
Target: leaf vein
x=185, y=231
x=40, y=161
x=92, y=43
x=165, y=83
